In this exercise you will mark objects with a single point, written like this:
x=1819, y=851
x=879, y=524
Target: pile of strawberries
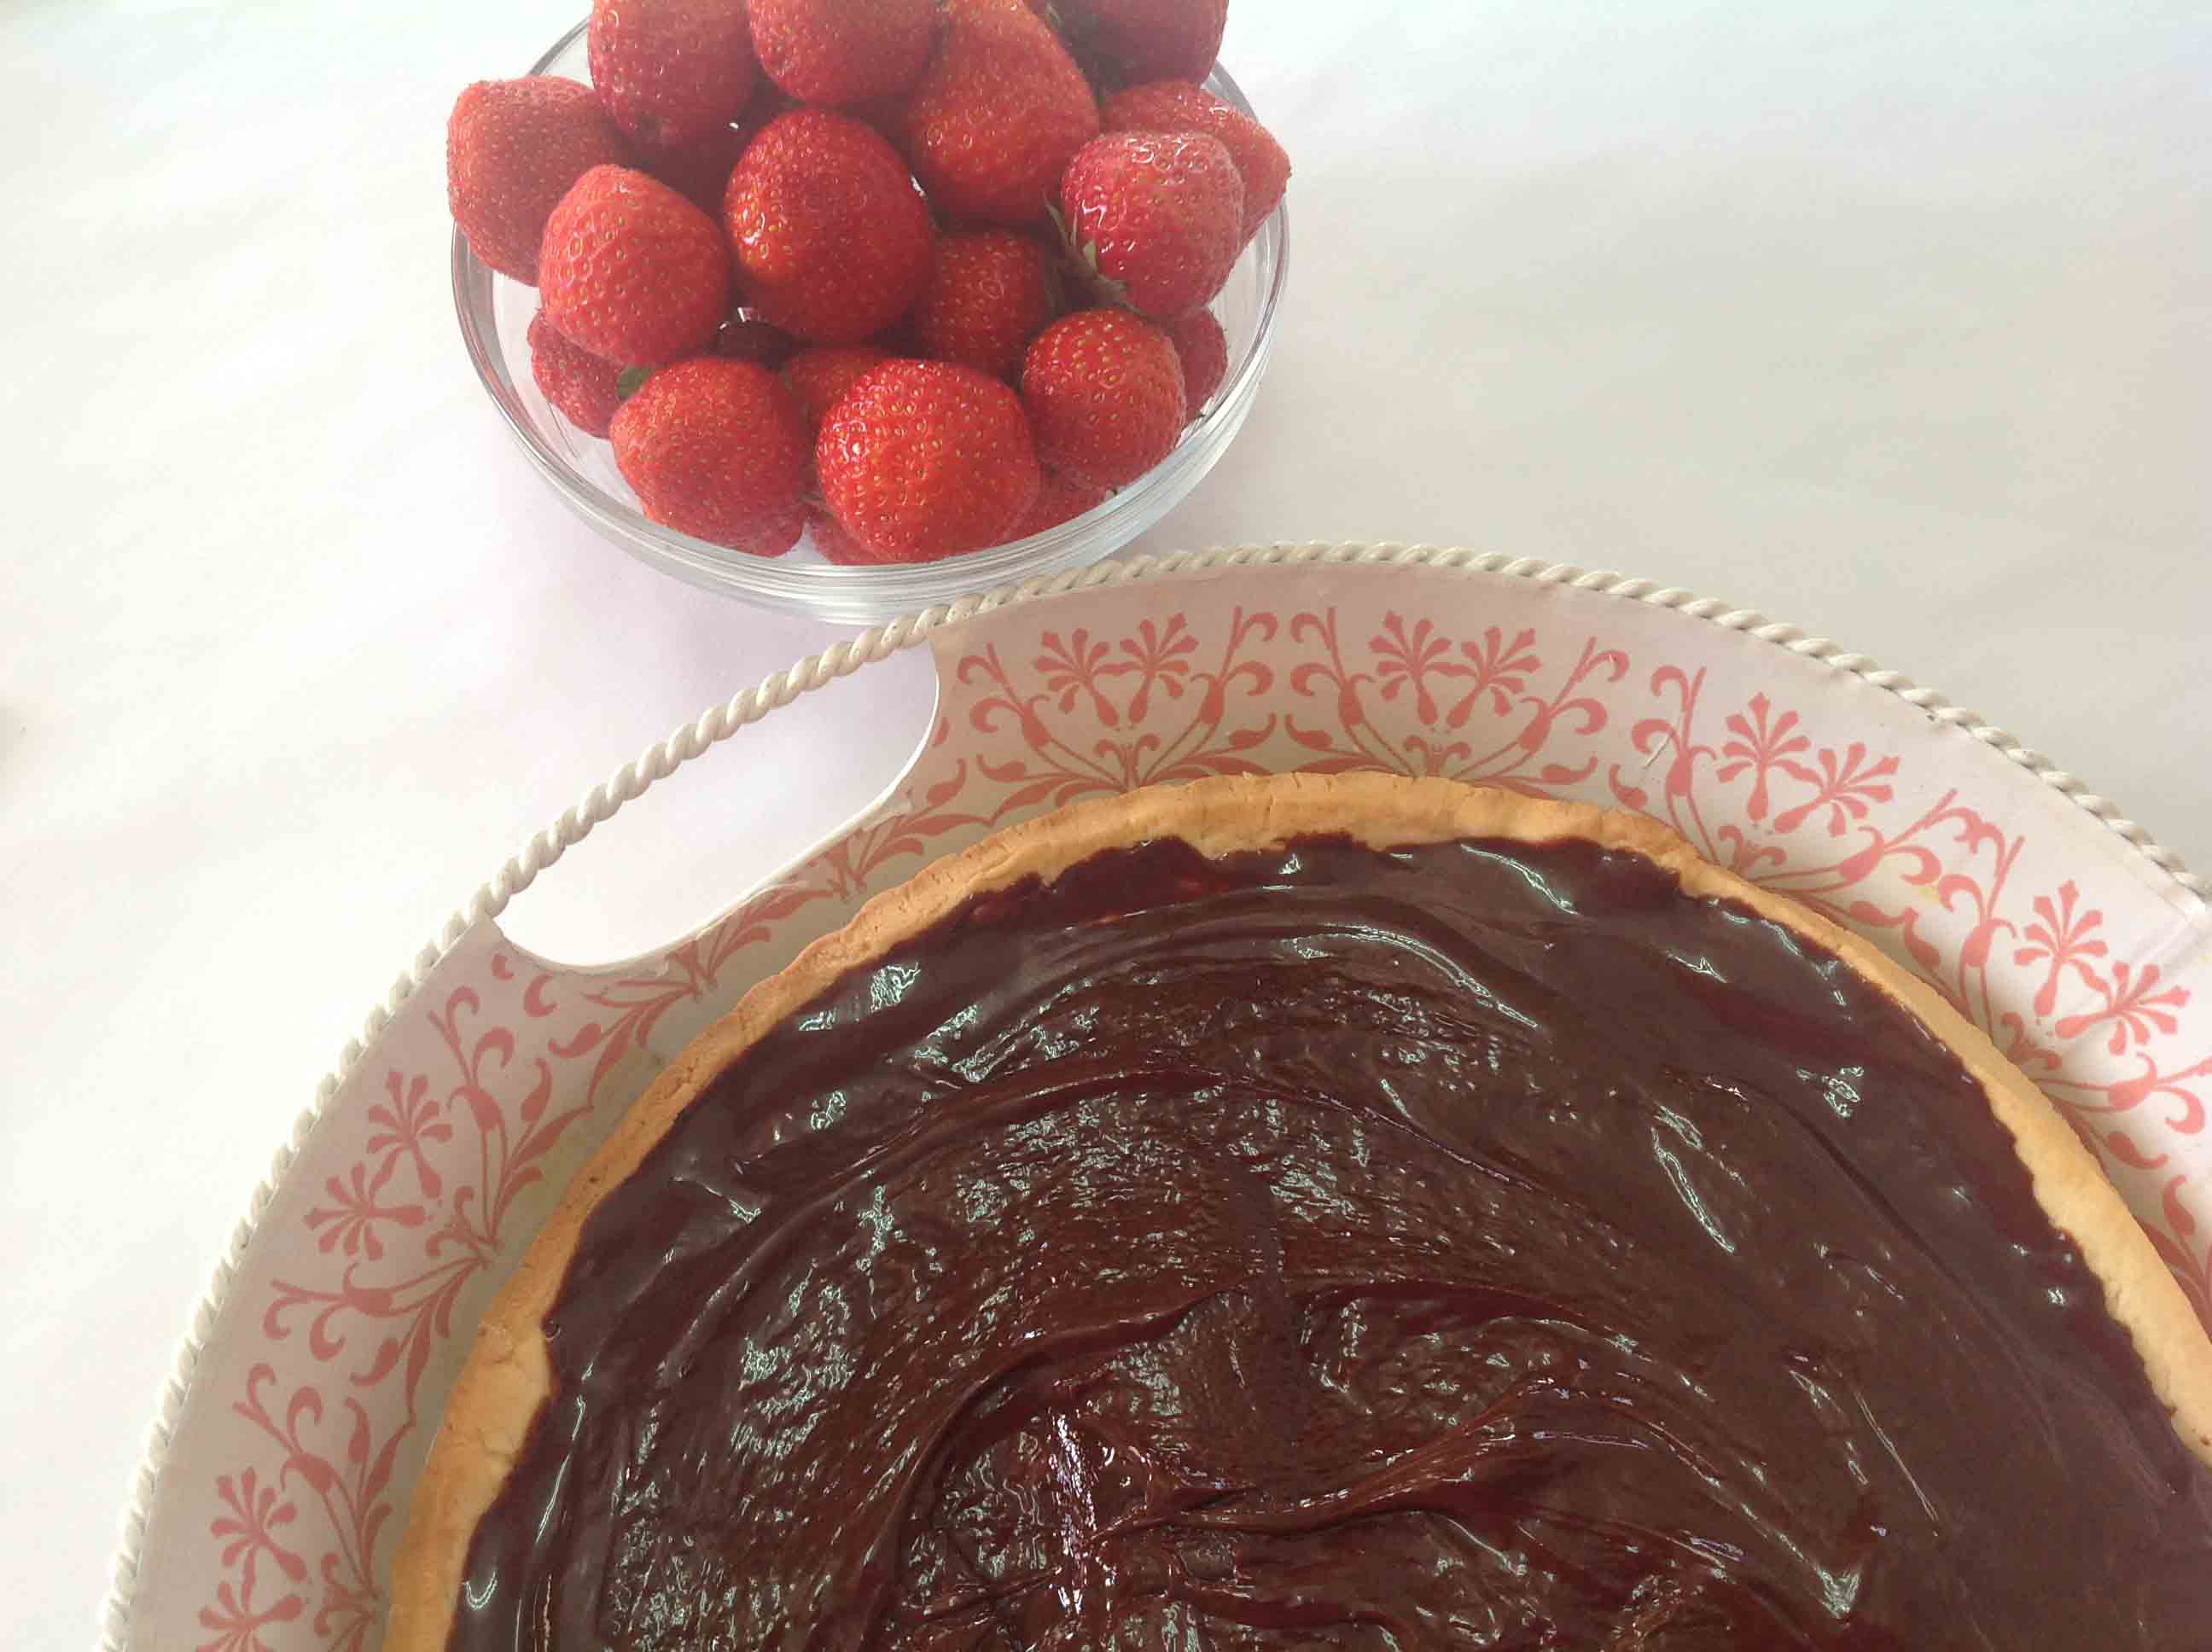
x=927, y=274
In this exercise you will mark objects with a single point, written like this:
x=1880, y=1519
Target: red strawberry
x=1204, y=352
x=988, y=296
x=715, y=449
x=747, y=338
x=1179, y=107
x=700, y=172
x=820, y=376
x=833, y=242
x=922, y=460
x=998, y=114
x=1159, y=214
x=672, y=71
x=632, y=271
x=836, y=545
x=585, y=388
x=1139, y=41
x=513, y=149
x=1058, y=501
x=835, y=52
x=1104, y=391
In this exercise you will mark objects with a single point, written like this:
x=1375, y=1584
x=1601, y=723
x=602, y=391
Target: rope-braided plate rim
x=719, y=722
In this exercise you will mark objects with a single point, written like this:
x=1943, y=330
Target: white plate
x=280, y=1469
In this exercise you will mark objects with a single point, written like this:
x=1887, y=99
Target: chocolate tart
x=1330, y=1212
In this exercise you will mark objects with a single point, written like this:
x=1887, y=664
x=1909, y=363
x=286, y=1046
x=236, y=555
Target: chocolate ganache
x=1474, y=1245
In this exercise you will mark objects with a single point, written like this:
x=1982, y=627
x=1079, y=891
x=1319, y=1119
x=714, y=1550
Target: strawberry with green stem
x=1155, y=219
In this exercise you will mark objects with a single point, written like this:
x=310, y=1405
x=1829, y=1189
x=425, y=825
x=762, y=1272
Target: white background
x=1891, y=319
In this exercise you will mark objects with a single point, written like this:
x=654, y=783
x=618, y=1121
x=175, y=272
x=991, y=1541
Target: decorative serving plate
x=279, y=1471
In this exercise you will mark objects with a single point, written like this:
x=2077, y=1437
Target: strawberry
x=672, y=71
x=835, y=544
x=747, y=338
x=699, y=172
x=1104, y=392
x=833, y=242
x=1204, y=351
x=1157, y=214
x=997, y=115
x=837, y=52
x=1137, y=40
x=716, y=449
x=1058, y=501
x=585, y=388
x=513, y=149
x=632, y=271
x=819, y=376
x=1178, y=106
x=922, y=460
x=988, y=296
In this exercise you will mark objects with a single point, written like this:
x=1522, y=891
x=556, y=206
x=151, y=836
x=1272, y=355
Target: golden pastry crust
x=510, y=1374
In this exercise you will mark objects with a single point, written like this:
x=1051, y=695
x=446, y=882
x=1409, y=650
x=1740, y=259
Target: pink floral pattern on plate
x=313, y=1406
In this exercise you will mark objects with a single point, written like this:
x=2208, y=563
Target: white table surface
x=1897, y=322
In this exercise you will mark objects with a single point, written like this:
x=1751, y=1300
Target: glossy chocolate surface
x=1473, y=1246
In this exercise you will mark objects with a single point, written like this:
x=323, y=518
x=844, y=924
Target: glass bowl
x=495, y=314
